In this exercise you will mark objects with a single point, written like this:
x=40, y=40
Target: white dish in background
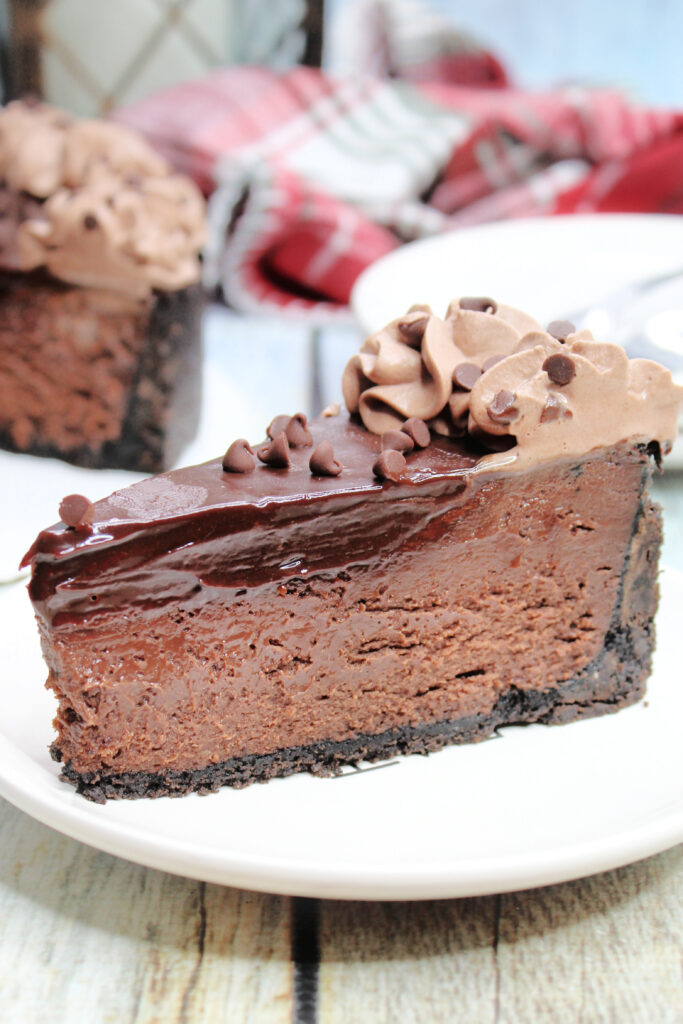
x=547, y=266
x=538, y=805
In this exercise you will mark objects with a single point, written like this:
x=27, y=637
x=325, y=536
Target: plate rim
x=74, y=817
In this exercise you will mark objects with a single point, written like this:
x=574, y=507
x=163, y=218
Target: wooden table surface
x=89, y=938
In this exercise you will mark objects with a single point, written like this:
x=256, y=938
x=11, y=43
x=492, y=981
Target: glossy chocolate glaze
x=211, y=616
x=195, y=509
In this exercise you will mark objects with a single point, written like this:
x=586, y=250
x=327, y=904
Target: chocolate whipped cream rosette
x=491, y=374
x=100, y=303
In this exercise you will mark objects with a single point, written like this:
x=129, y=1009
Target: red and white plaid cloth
x=313, y=177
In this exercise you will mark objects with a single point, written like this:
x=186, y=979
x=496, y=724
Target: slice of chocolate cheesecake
x=351, y=595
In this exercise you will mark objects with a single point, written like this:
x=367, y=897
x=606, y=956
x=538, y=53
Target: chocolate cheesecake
x=99, y=296
x=380, y=581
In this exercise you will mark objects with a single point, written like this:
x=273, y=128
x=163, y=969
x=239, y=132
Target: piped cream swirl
x=114, y=216
x=407, y=369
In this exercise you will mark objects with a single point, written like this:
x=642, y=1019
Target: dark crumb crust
x=613, y=680
x=162, y=411
x=516, y=707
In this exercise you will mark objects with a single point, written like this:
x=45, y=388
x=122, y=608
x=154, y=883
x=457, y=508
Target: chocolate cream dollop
x=491, y=371
x=105, y=212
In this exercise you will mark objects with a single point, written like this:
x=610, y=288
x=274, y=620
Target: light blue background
x=636, y=45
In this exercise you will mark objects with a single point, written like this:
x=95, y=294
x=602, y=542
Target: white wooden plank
x=90, y=938
x=409, y=962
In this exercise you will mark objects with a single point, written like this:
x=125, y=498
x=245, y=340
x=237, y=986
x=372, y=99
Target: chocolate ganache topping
x=490, y=371
x=111, y=215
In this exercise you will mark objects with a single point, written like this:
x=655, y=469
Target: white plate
x=536, y=806
x=546, y=266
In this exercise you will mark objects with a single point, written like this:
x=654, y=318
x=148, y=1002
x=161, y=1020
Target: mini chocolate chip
x=412, y=331
x=479, y=303
x=390, y=465
x=397, y=440
x=75, y=511
x=322, y=462
x=418, y=430
x=239, y=457
x=491, y=361
x=298, y=434
x=551, y=409
x=466, y=375
x=277, y=425
x=560, y=369
x=275, y=454
x=502, y=408
x=90, y=222
x=560, y=329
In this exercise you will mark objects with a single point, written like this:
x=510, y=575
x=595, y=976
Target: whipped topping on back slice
x=114, y=215
x=497, y=375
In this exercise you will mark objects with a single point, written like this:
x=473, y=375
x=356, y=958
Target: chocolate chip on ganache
x=466, y=375
x=560, y=369
x=397, y=441
x=239, y=457
x=76, y=511
x=298, y=434
x=560, y=329
x=275, y=454
x=490, y=362
x=418, y=430
x=479, y=304
x=412, y=331
x=391, y=465
x=277, y=425
x=502, y=409
x=323, y=462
